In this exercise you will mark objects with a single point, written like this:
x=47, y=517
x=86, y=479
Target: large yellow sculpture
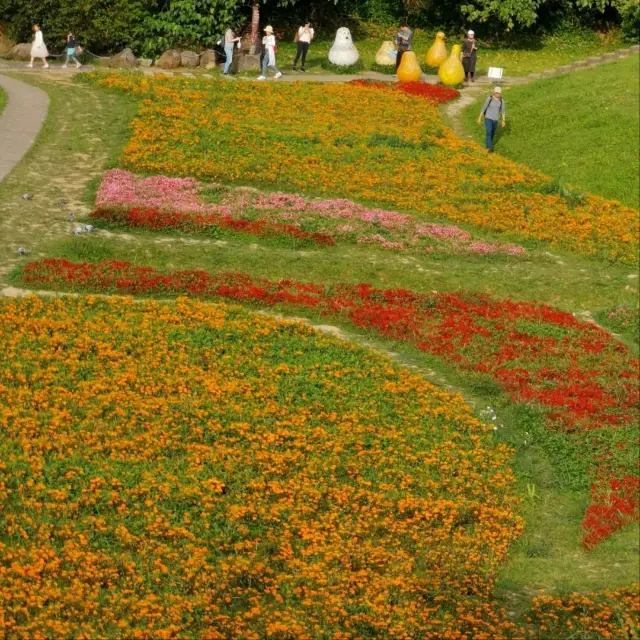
x=409, y=69
x=386, y=56
x=438, y=52
x=451, y=71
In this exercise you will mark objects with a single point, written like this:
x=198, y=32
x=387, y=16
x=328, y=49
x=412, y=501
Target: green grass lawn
x=581, y=128
x=3, y=99
x=529, y=56
x=89, y=128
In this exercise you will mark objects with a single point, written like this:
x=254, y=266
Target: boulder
x=169, y=59
x=124, y=59
x=21, y=51
x=245, y=62
x=189, y=59
x=208, y=59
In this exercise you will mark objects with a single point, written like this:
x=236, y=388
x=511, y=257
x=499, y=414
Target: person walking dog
x=230, y=41
x=71, y=48
x=492, y=111
x=38, y=48
x=469, y=56
x=269, y=53
x=304, y=36
x=403, y=43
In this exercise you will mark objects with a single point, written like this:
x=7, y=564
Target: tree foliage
x=190, y=23
x=102, y=25
x=149, y=26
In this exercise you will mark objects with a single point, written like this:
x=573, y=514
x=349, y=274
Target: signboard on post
x=495, y=73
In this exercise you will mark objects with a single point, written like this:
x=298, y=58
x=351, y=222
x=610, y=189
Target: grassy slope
x=581, y=127
x=531, y=56
x=3, y=99
x=549, y=555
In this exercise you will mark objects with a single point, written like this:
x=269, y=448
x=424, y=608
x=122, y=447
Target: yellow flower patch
x=369, y=144
x=188, y=469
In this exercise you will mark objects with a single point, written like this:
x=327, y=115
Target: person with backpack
x=304, y=36
x=269, y=48
x=492, y=111
x=469, y=56
x=403, y=43
x=70, y=50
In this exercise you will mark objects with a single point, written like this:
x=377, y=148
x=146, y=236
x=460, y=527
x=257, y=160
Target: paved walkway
x=23, y=116
x=287, y=75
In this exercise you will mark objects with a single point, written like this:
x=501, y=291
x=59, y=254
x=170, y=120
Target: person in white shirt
x=269, y=53
x=303, y=38
x=38, y=48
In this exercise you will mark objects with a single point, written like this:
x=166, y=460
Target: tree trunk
x=255, y=26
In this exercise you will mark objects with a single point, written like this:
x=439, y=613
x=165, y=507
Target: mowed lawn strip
x=581, y=128
x=3, y=99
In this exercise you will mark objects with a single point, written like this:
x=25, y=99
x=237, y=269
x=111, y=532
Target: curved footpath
x=23, y=116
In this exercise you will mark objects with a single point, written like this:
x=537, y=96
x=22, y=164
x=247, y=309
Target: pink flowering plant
x=339, y=219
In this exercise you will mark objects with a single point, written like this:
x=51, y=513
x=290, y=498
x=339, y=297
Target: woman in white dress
x=38, y=48
x=269, y=54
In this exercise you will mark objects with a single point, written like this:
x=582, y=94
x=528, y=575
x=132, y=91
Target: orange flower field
x=347, y=141
x=191, y=470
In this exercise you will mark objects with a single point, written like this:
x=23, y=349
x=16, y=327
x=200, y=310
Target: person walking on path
x=71, y=47
x=38, y=48
x=269, y=49
x=492, y=111
x=230, y=41
x=304, y=37
x=469, y=56
x=403, y=43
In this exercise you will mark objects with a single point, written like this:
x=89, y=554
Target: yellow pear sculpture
x=451, y=71
x=438, y=52
x=386, y=56
x=409, y=69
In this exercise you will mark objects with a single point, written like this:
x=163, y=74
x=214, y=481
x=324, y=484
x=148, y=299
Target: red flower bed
x=435, y=93
x=613, y=503
x=585, y=382
x=156, y=219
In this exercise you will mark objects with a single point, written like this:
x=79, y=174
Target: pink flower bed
x=124, y=190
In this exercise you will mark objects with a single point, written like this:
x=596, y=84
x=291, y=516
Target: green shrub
x=388, y=69
x=99, y=25
x=349, y=69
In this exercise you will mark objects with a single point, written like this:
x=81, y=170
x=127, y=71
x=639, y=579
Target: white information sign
x=495, y=72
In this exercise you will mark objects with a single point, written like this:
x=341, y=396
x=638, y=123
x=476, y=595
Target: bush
x=348, y=69
x=630, y=14
x=387, y=69
x=100, y=26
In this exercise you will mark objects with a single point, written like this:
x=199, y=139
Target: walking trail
x=23, y=116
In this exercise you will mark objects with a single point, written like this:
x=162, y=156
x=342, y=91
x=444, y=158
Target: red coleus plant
x=156, y=219
x=435, y=93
